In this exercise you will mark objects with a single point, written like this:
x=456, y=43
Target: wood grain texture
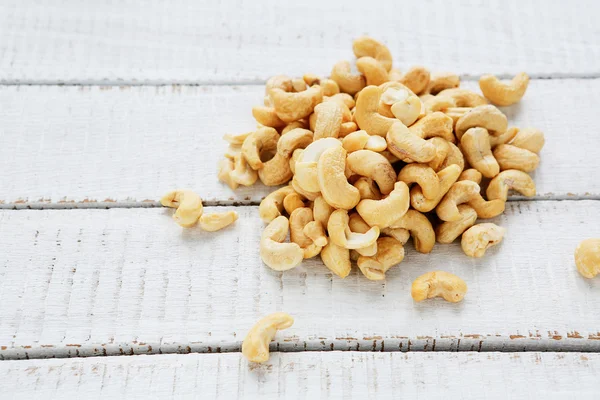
x=131, y=281
x=65, y=41
x=331, y=375
x=121, y=146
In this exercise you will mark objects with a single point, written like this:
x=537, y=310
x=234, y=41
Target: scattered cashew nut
x=188, y=204
x=504, y=94
x=478, y=238
x=587, y=258
x=255, y=346
x=438, y=284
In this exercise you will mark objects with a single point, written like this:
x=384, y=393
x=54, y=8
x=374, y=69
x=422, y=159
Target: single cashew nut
x=471, y=174
x=487, y=209
x=225, y=167
x=217, y=221
x=299, y=219
x=408, y=110
x=256, y=144
x=337, y=259
x=504, y=94
x=420, y=229
x=297, y=138
x=367, y=189
x=434, y=124
x=478, y=238
x=464, y=98
x=438, y=284
x=302, y=123
x=416, y=79
x=375, y=166
x=276, y=254
x=442, y=149
x=255, y=346
x=276, y=171
x=455, y=156
x=366, y=46
x=340, y=233
x=267, y=116
x=460, y=192
x=358, y=225
x=587, y=258
x=321, y=210
x=438, y=103
x=400, y=234
x=504, y=138
x=332, y=181
x=188, y=204
x=422, y=175
x=310, y=196
x=513, y=157
x=316, y=232
x=306, y=166
x=529, y=139
x=328, y=120
x=447, y=177
x=376, y=143
x=347, y=128
x=272, y=205
x=404, y=144
x=373, y=71
x=347, y=82
x=475, y=144
x=510, y=179
x=487, y=116
x=298, y=85
x=447, y=232
x=439, y=81
x=282, y=82
x=291, y=106
x=390, y=252
x=367, y=114
x=292, y=201
x=355, y=141
x=383, y=213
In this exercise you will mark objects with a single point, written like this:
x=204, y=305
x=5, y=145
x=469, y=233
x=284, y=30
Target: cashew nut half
x=217, y=221
x=587, y=258
x=478, y=238
x=389, y=253
x=348, y=83
x=328, y=120
x=383, y=213
x=306, y=166
x=188, y=204
x=504, y=94
x=255, y=346
x=447, y=232
x=438, y=284
x=366, y=46
x=332, y=181
x=420, y=229
x=510, y=179
x=276, y=254
x=375, y=166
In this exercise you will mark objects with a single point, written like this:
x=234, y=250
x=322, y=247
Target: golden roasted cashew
x=439, y=81
x=321, y=210
x=438, y=103
x=217, y=221
x=447, y=177
x=438, y=284
x=464, y=98
x=375, y=166
x=306, y=166
x=276, y=254
x=298, y=85
x=447, y=232
x=504, y=94
x=291, y=202
x=513, y=157
x=297, y=138
x=316, y=232
x=488, y=117
x=272, y=205
x=358, y=225
x=460, y=192
x=330, y=87
x=311, y=79
x=510, y=179
x=404, y=144
x=420, y=229
x=267, y=116
x=487, y=209
x=299, y=218
x=422, y=175
x=328, y=120
x=400, y=234
x=366, y=46
x=255, y=346
x=442, y=148
x=367, y=115
x=347, y=128
x=374, y=72
x=340, y=233
x=478, y=238
x=291, y=106
x=237, y=139
x=416, y=79
x=529, y=139
x=587, y=258
x=282, y=82
x=296, y=155
x=367, y=189
x=188, y=204
x=383, y=213
x=475, y=144
x=301, y=123
x=471, y=174
x=256, y=144
x=342, y=99
x=225, y=167
x=454, y=156
x=504, y=138
x=348, y=83
x=333, y=183
x=376, y=143
x=242, y=173
x=310, y=196
x=434, y=124
x=355, y=141
x=276, y=171
x=407, y=110
x=456, y=113
x=337, y=259
x=389, y=253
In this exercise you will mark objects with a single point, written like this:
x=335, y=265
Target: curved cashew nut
x=188, y=204
x=217, y=221
x=487, y=209
x=267, y=116
x=454, y=156
x=367, y=189
x=394, y=75
x=420, y=229
x=302, y=123
x=373, y=71
x=310, y=196
x=422, y=175
x=316, y=232
x=375, y=166
x=504, y=138
x=587, y=258
x=276, y=254
x=478, y=238
x=447, y=232
x=330, y=87
x=282, y=82
x=343, y=99
x=306, y=166
x=236, y=139
x=225, y=167
x=340, y=233
x=438, y=284
x=416, y=79
x=529, y=139
x=366, y=46
x=332, y=181
x=348, y=83
x=263, y=140
x=464, y=98
x=442, y=149
x=488, y=117
x=291, y=106
x=513, y=157
x=439, y=81
x=367, y=114
x=510, y=179
x=447, y=177
x=297, y=138
x=299, y=219
x=504, y=94
x=347, y=128
x=460, y=192
x=255, y=346
x=272, y=205
x=471, y=174
x=438, y=103
x=404, y=144
x=292, y=201
x=358, y=225
x=328, y=120
x=276, y=171
x=400, y=234
x=298, y=85
x=355, y=141
x=389, y=253
x=322, y=210
x=337, y=259
x=434, y=124
x=475, y=144
x=383, y=213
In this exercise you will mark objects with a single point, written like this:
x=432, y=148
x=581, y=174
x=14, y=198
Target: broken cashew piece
x=267, y=116
x=332, y=181
x=188, y=204
x=587, y=258
x=366, y=46
x=315, y=231
x=510, y=179
x=390, y=252
x=438, y=284
x=225, y=167
x=460, y=192
x=375, y=166
x=447, y=232
x=504, y=94
x=383, y=213
x=420, y=229
x=275, y=254
x=348, y=83
x=217, y=221
x=242, y=173
x=255, y=346
x=478, y=238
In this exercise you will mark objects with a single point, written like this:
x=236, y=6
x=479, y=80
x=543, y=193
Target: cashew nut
x=438, y=103
x=342, y=99
x=367, y=189
x=420, y=229
x=322, y=210
x=475, y=144
x=456, y=113
x=504, y=94
x=276, y=254
x=291, y=202
x=439, y=81
x=463, y=97
x=310, y=196
x=367, y=115
x=375, y=166
x=306, y=166
x=404, y=144
x=188, y=204
x=416, y=79
x=438, y=284
x=236, y=139
x=587, y=258
x=358, y=225
x=447, y=232
x=383, y=213
x=488, y=117
x=272, y=205
x=447, y=177
x=348, y=83
x=299, y=218
x=340, y=233
x=442, y=148
x=434, y=124
x=225, y=167
x=366, y=46
x=487, y=209
x=478, y=238
x=374, y=72
x=316, y=232
x=257, y=143
x=471, y=174
x=347, y=128
x=301, y=123
x=510, y=179
x=422, y=175
x=282, y=82
x=297, y=138
x=400, y=234
x=337, y=259
x=460, y=192
x=276, y=171
x=332, y=181
x=389, y=253
x=376, y=143
x=298, y=85
x=394, y=75
x=267, y=116
x=328, y=120
x=255, y=346
x=291, y=106
x=513, y=157
x=216, y=221
x=454, y=156
x=504, y=138
x=529, y=139
x=407, y=110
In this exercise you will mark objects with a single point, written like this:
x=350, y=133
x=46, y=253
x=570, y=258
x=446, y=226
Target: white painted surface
x=127, y=281
x=313, y=375
x=247, y=41
x=130, y=145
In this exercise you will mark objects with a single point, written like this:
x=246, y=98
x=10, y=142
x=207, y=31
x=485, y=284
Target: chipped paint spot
x=372, y=338
x=3, y=347
x=473, y=336
x=574, y=335
x=517, y=337
x=75, y=345
x=584, y=358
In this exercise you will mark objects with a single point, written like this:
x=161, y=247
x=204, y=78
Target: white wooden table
x=104, y=107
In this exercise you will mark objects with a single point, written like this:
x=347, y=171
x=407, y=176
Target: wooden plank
x=244, y=41
x=130, y=281
x=120, y=146
x=331, y=375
